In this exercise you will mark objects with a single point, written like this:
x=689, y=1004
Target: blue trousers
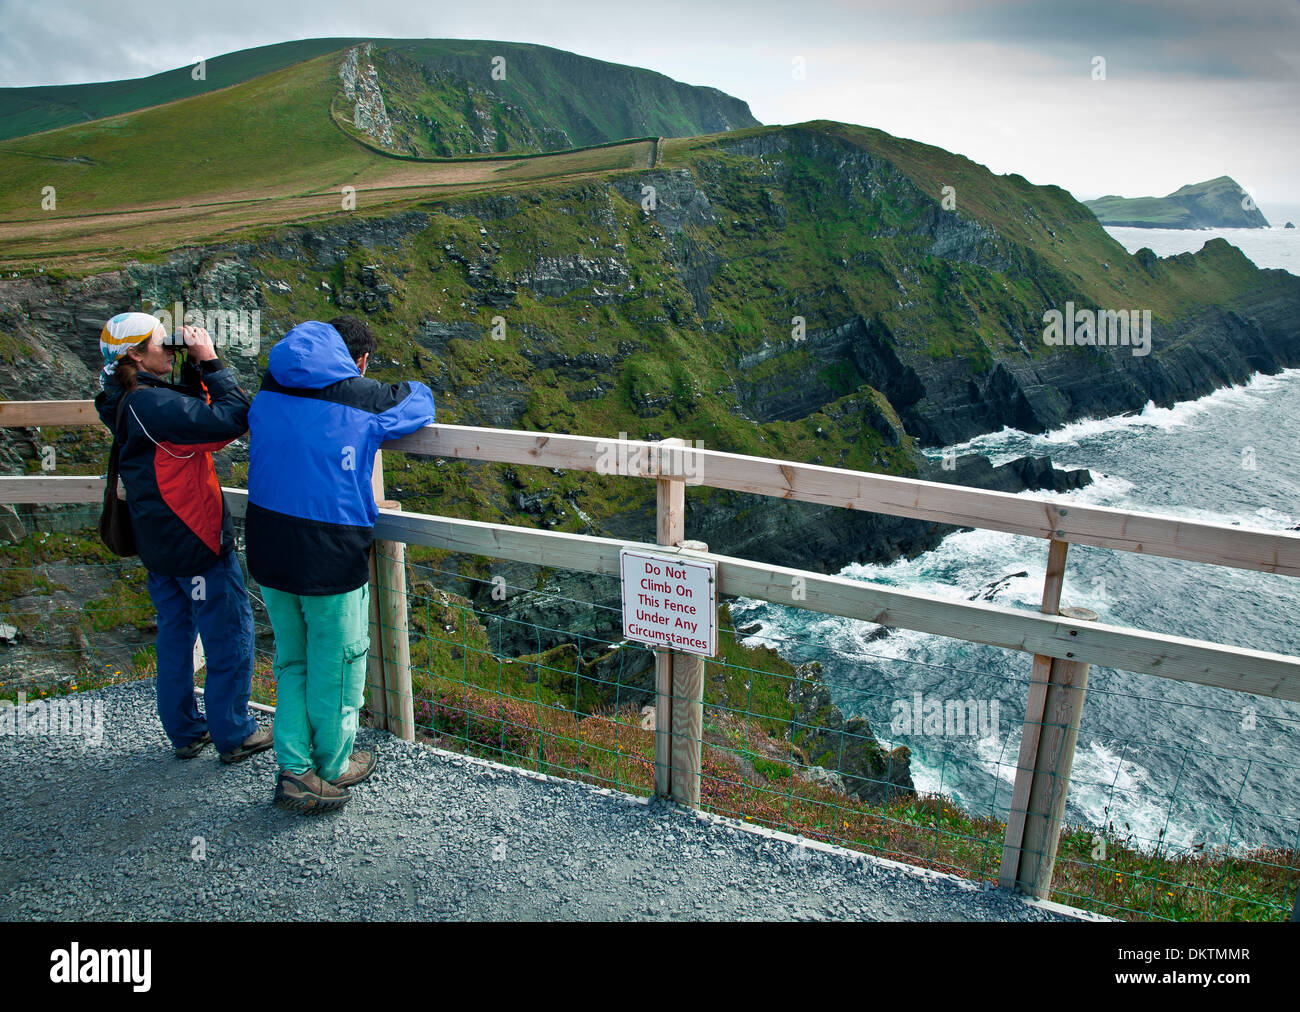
x=215, y=605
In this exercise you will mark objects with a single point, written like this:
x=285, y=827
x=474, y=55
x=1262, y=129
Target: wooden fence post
x=375, y=692
x=390, y=572
x=1067, y=688
x=1047, y=769
x=1038, y=679
x=376, y=697
x=688, y=718
x=670, y=529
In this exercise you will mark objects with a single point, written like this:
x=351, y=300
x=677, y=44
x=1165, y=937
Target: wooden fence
x=1063, y=642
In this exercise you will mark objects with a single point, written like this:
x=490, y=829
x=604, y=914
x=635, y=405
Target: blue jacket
x=313, y=431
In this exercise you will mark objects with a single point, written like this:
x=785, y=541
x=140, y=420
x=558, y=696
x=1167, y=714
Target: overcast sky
x=1193, y=88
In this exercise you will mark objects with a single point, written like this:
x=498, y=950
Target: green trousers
x=320, y=672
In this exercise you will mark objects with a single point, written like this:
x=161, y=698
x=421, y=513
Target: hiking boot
x=360, y=766
x=259, y=741
x=195, y=747
x=308, y=793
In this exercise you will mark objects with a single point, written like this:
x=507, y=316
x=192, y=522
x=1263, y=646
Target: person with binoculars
x=166, y=433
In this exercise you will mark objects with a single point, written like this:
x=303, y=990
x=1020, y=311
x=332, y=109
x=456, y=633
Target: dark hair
x=124, y=372
x=356, y=335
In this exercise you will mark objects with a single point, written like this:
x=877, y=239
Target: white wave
x=1009, y=443
x=1115, y=790
x=1275, y=519
x=1106, y=789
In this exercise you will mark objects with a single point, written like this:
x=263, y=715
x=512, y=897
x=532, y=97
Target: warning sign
x=670, y=602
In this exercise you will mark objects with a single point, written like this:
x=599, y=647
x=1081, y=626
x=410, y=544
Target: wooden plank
x=51, y=490
x=1099, y=526
x=24, y=414
x=1102, y=527
x=1053, y=581
x=1230, y=667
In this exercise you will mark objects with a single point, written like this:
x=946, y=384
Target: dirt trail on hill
x=77, y=238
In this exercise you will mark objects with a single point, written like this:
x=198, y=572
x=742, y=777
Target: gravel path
x=108, y=832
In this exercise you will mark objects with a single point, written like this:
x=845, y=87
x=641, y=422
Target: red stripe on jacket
x=187, y=482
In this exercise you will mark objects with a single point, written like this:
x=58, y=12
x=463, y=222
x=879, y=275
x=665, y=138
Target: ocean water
x=1160, y=760
x=1266, y=247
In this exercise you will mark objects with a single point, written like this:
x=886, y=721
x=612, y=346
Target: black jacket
x=179, y=515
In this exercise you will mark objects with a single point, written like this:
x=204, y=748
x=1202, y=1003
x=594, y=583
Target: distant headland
x=1215, y=203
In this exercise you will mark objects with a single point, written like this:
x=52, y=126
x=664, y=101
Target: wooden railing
x=1063, y=642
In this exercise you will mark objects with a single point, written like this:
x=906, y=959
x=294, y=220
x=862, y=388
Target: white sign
x=670, y=602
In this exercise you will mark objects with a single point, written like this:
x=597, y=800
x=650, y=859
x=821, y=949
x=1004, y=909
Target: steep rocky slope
x=445, y=97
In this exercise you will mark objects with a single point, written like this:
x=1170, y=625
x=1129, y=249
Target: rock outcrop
x=361, y=88
x=849, y=748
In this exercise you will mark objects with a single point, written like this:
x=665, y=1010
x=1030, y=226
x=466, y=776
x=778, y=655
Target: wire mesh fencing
x=1180, y=802
x=892, y=752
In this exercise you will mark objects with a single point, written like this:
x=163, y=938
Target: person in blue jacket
x=314, y=428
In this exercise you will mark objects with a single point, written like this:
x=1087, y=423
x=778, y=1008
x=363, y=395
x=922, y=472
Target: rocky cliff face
x=1195, y=355
x=361, y=88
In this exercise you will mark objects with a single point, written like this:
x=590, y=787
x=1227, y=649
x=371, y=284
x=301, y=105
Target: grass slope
x=32, y=110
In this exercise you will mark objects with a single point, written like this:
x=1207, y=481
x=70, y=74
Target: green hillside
x=270, y=134
x=449, y=97
x=31, y=110
x=292, y=132
x=445, y=96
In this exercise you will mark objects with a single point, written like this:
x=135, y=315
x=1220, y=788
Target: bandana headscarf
x=121, y=332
